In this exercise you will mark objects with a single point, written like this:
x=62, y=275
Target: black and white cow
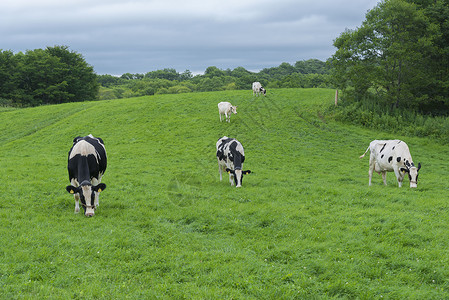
x=258, y=89
x=230, y=156
x=86, y=165
x=392, y=155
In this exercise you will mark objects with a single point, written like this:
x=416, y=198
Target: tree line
x=309, y=73
x=45, y=76
x=58, y=75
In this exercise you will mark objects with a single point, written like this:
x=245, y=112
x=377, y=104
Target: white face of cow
x=234, y=109
x=413, y=175
x=87, y=196
x=238, y=176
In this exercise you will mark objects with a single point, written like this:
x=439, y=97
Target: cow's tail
x=362, y=156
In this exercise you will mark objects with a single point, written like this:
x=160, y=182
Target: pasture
x=304, y=225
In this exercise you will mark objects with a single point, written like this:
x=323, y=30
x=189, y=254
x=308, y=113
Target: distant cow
x=257, y=89
x=86, y=165
x=392, y=155
x=230, y=156
x=226, y=108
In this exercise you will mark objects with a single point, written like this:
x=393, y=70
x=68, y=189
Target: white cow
x=392, y=155
x=226, y=108
x=257, y=89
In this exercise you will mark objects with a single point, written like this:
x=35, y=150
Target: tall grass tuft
x=370, y=114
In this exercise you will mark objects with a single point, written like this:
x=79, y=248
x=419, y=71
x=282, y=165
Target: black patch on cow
x=84, y=168
x=382, y=156
x=393, y=148
x=235, y=156
x=398, y=159
x=390, y=159
x=407, y=164
x=383, y=147
x=220, y=150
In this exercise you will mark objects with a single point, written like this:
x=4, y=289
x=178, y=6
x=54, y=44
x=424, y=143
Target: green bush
x=401, y=122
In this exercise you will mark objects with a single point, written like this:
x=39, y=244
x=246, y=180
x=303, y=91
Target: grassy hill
x=305, y=224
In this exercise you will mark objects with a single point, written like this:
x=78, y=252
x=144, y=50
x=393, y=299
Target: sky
x=121, y=36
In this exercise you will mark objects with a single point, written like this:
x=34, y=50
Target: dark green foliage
x=45, y=76
x=401, y=52
x=305, y=74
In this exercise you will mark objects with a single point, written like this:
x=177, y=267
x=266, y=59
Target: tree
x=186, y=75
x=168, y=74
x=311, y=66
x=7, y=68
x=46, y=76
x=77, y=73
x=213, y=72
x=437, y=12
x=391, y=53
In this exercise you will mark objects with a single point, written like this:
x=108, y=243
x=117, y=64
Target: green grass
x=305, y=224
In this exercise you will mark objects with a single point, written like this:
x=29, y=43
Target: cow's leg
x=370, y=173
x=75, y=183
x=220, y=170
x=77, y=203
x=398, y=176
x=384, y=177
x=231, y=179
x=220, y=116
x=97, y=194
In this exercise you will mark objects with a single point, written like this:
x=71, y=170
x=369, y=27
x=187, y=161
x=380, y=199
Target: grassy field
x=305, y=224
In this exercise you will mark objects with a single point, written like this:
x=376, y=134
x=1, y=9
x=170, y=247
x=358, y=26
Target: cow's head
x=238, y=175
x=86, y=192
x=262, y=90
x=412, y=171
x=234, y=109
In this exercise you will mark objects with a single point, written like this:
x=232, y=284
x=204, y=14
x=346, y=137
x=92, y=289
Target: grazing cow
x=392, y=155
x=257, y=89
x=230, y=156
x=226, y=108
x=86, y=165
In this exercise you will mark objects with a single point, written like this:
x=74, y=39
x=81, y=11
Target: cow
x=230, y=156
x=392, y=155
x=86, y=165
x=257, y=89
x=226, y=108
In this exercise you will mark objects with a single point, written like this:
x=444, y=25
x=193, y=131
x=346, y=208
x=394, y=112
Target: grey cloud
x=138, y=36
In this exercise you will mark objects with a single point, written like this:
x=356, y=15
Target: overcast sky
x=120, y=36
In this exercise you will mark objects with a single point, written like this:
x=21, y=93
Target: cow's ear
x=419, y=166
x=246, y=172
x=404, y=170
x=229, y=171
x=71, y=189
x=99, y=188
